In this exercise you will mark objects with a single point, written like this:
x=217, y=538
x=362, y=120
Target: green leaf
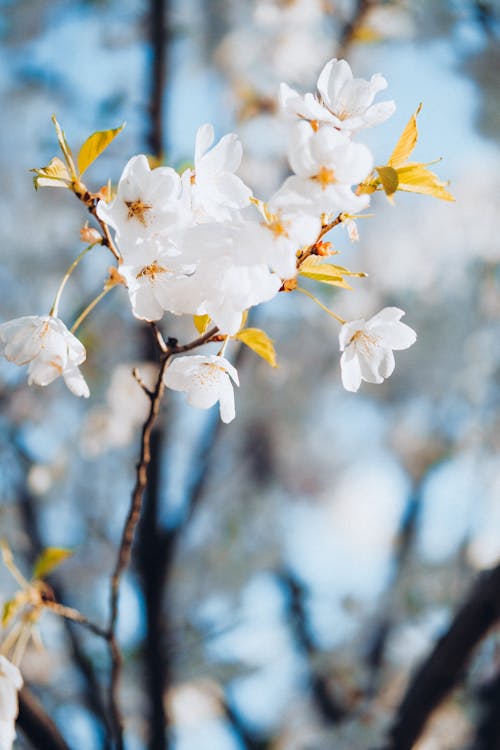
x=201, y=323
x=95, y=145
x=389, y=179
x=49, y=559
x=259, y=342
x=55, y=174
x=10, y=608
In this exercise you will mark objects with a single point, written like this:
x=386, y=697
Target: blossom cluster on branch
x=201, y=244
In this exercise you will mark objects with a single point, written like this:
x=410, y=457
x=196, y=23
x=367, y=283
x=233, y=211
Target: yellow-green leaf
x=406, y=143
x=11, y=606
x=63, y=143
x=259, y=342
x=326, y=273
x=416, y=178
x=95, y=145
x=201, y=323
x=49, y=559
x=389, y=179
x=55, y=174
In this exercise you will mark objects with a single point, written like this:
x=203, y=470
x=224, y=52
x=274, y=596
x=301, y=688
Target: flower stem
x=55, y=306
x=323, y=307
x=89, y=309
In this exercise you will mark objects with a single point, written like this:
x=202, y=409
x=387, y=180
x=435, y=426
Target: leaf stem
x=54, y=309
x=323, y=307
x=89, y=309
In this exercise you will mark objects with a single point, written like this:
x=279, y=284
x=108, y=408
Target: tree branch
x=445, y=666
x=37, y=726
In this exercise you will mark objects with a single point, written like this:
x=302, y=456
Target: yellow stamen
x=137, y=209
x=152, y=270
x=325, y=177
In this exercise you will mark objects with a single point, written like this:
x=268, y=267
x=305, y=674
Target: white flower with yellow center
x=341, y=100
x=281, y=233
x=367, y=347
x=44, y=343
x=216, y=192
x=206, y=380
x=11, y=682
x=147, y=202
x=326, y=164
x=155, y=279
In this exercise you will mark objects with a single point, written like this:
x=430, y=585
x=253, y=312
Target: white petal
x=226, y=401
x=348, y=330
x=76, y=382
x=332, y=79
x=350, y=370
x=204, y=139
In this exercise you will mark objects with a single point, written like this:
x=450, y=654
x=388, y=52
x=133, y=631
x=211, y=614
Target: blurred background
x=293, y=568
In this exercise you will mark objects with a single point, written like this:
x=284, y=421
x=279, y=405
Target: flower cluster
x=200, y=244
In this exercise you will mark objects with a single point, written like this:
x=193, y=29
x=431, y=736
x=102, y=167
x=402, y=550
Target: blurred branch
x=488, y=727
x=37, y=726
x=351, y=28
x=328, y=707
x=159, y=36
x=445, y=666
x=29, y=516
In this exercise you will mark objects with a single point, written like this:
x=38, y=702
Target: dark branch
x=445, y=667
x=37, y=726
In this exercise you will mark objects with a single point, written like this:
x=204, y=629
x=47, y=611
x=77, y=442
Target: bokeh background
x=293, y=567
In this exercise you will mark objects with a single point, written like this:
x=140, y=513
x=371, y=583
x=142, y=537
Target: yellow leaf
x=63, y=143
x=49, y=559
x=416, y=178
x=95, y=145
x=259, y=342
x=55, y=174
x=11, y=606
x=389, y=179
x=326, y=273
x=201, y=323
x=406, y=143
x=366, y=33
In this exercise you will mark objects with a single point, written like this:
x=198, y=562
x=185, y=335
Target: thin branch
x=445, y=666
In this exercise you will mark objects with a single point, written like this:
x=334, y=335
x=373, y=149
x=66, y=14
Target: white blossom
x=147, y=202
x=231, y=274
x=156, y=279
x=45, y=344
x=216, y=192
x=11, y=682
x=367, y=347
x=282, y=233
x=326, y=164
x=341, y=100
x=206, y=380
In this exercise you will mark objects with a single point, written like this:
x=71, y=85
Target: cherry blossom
x=341, y=100
x=367, y=347
x=45, y=344
x=11, y=682
x=216, y=192
x=155, y=279
x=326, y=164
x=147, y=202
x=206, y=380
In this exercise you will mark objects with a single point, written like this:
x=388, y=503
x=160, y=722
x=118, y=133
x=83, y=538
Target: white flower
x=231, y=274
x=206, y=380
x=147, y=202
x=367, y=347
x=341, y=100
x=326, y=163
x=48, y=347
x=282, y=232
x=216, y=192
x=10, y=682
x=155, y=279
